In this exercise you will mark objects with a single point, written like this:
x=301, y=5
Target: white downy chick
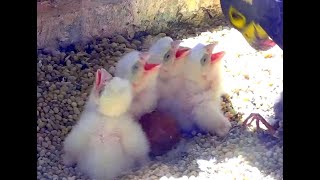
x=203, y=86
x=167, y=52
x=107, y=141
x=142, y=75
x=77, y=139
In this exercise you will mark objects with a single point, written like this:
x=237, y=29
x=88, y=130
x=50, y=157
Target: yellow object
x=250, y=30
x=236, y=18
x=253, y=31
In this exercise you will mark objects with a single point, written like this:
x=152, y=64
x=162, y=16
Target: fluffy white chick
x=171, y=56
x=77, y=139
x=107, y=141
x=142, y=75
x=203, y=86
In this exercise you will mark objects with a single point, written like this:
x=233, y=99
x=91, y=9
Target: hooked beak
x=263, y=44
x=257, y=37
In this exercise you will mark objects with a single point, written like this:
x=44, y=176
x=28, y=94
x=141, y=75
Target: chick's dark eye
x=166, y=56
x=135, y=67
x=203, y=60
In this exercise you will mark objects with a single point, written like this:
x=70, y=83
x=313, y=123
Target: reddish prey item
x=161, y=130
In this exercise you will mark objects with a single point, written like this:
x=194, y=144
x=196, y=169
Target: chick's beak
x=217, y=56
x=148, y=66
x=181, y=52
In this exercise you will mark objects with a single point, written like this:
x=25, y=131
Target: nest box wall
x=69, y=21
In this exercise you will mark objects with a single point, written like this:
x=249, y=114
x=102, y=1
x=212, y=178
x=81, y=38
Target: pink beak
x=217, y=56
x=98, y=78
x=148, y=66
x=180, y=52
x=102, y=77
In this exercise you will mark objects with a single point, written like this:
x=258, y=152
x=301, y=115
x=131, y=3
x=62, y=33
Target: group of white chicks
x=184, y=82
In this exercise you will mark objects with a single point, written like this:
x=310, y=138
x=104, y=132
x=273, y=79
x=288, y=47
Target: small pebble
x=74, y=104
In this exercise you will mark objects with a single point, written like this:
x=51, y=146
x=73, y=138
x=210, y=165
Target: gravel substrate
x=253, y=83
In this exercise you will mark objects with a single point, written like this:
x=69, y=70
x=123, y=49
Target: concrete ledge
x=70, y=21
